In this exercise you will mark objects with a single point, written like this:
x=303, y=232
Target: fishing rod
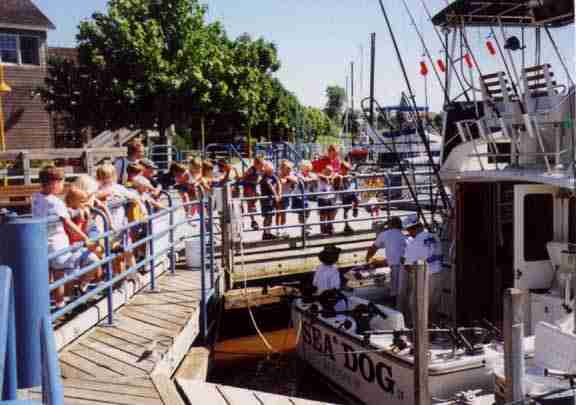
x=412, y=98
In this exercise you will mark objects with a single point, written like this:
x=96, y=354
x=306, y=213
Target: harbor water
x=242, y=359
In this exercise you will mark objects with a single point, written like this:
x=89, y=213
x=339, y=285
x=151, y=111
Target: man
x=425, y=246
x=135, y=151
x=393, y=241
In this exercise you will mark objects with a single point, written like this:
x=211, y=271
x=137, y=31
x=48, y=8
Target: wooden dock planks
x=125, y=364
x=200, y=393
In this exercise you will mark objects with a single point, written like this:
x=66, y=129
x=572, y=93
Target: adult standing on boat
x=393, y=241
x=424, y=246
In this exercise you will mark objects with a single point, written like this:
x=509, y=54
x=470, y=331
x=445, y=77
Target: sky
x=318, y=39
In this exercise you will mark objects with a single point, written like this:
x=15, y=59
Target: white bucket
x=193, y=254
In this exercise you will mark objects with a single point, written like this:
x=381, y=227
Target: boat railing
x=52, y=391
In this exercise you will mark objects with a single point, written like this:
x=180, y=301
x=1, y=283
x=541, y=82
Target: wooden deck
x=132, y=362
x=216, y=394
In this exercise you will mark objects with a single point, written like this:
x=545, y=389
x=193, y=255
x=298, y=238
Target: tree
x=336, y=97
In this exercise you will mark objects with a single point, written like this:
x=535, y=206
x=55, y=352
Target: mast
x=372, y=69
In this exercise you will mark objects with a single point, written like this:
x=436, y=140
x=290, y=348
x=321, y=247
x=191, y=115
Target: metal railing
x=165, y=231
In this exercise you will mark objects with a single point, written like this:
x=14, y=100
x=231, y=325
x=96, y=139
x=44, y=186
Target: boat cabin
x=509, y=154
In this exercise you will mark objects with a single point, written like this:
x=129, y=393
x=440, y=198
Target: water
x=241, y=359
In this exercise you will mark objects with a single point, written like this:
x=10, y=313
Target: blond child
x=47, y=204
x=326, y=201
x=288, y=183
x=307, y=183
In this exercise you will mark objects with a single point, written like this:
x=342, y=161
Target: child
x=271, y=196
x=288, y=183
x=350, y=200
x=326, y=202
x=77, y=202
x=250, y=183
x=114, y=194
x=133, y=170
x=327, y=279
x=307, y=182
x=45, y=204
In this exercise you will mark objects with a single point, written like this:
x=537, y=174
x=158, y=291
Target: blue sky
x=317, y=40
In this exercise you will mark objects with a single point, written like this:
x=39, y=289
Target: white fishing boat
x=366, y=352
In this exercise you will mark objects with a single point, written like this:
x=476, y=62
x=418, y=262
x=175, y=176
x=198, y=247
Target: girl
x=307, y=183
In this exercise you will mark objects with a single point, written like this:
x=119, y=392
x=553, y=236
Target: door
x=534, y=218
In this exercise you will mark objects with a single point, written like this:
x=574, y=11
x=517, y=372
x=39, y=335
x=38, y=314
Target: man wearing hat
x=425, y=246
x=393, y=241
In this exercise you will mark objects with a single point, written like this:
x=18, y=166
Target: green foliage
x=150, y=64
x=336, y=97
x=318, y=124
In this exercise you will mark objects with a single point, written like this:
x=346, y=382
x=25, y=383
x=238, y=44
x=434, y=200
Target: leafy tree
x=336, y=97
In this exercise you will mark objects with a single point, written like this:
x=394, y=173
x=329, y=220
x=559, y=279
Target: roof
x=23, y=13
x=482, y=13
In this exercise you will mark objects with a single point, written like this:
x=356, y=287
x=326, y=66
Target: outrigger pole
x=448, y=56
x=412, y=97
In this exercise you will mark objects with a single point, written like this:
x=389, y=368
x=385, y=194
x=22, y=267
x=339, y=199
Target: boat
x=366, y=352
x=508, y=161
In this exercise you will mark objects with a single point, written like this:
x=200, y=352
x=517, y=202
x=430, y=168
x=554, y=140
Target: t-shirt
x=326, y=277
x=325, y=186
x=121, y=166
x=118, y=195
x=44, y=205
x=426, y=247
x=394, y=242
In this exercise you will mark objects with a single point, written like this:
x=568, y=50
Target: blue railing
x=232, y=151
x=52, y=392
x=166, y=230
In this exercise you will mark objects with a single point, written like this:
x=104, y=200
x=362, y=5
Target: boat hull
x=378, y=377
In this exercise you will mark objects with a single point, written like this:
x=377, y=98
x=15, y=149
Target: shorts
x=284, y=204
x=298, y=203
x=349, y=199
x=326, y=202
x=268, y=206
x=71, y=262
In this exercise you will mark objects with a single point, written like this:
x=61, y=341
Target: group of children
x=284, y=188
x=72, y=221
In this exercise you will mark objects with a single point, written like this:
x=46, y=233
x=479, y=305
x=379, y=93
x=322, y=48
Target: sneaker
x=254, y=225
x=348, y=230
x=355, y=212
x=269, y=236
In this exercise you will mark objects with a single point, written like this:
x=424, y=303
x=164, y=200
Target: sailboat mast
x=372, y=70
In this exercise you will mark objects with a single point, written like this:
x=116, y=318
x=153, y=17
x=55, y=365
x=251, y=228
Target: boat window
x=538, y=226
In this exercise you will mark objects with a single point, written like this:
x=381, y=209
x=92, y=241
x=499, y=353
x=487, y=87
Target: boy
x=288, y=183
x=46, y=204
x=307, y=182
x=250, y=183
x=271, y=196
x=350, y=200
x=326, y=201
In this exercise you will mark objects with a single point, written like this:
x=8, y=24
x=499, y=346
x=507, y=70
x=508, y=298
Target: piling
x=513, y=344
x=25, y=251
x=421, y=339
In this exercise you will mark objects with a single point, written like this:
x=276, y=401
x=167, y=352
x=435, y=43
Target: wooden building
x=23, y=50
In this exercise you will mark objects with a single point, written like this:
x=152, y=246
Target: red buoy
x=468, y=60
x=423, y=69
x=441, y=65
x=490, y=48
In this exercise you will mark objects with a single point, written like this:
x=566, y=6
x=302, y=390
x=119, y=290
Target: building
x=23, y=50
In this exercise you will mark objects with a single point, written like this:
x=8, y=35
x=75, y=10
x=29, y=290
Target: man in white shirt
x=393, y=241
x=425, y=246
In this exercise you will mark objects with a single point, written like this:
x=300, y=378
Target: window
x=538, y=226
x=8, y=48
x=29, y=50
x=19, y=49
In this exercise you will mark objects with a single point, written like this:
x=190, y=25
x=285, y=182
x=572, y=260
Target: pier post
x=421, y=339
x=226, y=233
x=513, y=344
x=25, y=251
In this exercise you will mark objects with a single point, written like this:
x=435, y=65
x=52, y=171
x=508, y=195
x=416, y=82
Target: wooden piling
x=513, y=344
x=421, y=339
